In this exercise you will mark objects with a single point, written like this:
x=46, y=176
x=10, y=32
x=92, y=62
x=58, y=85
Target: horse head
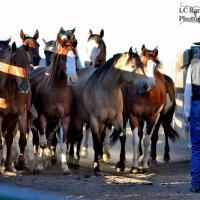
x=96, y=50
x=151, y=63
x=4, y=44
x=33, y=46
x=64, y=60
x=16, y=63
x=49, y=48
x=68, y=36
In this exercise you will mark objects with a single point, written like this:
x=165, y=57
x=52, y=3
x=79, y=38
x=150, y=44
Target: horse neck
x=57, y=75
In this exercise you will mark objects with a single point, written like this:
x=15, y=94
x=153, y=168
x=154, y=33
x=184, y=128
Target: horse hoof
x=67, y=172
x=153, y=161
x=99, y=173
x=120, y=167
x=84, y=153
x=10, y=168
x=134, y=170
x=106, y=156
x=146, y=170
x=166, y=158
x=20, y=164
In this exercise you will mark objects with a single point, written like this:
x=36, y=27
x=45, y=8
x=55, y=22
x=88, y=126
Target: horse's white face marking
x=64, y=37
x=50, y=48
x=150, y=71
x=71, y=65
x=92, y=51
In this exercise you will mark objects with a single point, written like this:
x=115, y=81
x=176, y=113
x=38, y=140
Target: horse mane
x=55, y=70
x=101, y=71
x=17, y=58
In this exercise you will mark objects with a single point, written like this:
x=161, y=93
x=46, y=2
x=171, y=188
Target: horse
x=96, y=57
x=165, y=119
x=52, y=98
x=50, y=46
x=13, y=104
x=138, y=106
x=98, y=99
x=4, y=47
x=96, y=50
x=33, y=49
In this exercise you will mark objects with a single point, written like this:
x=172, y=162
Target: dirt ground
x=165, y=181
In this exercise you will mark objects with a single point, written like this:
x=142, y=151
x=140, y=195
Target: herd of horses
x=64, y=97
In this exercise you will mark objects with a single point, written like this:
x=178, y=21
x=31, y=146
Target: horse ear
x=90, y=32
x=44, y=41
x=143, y=47
x=13, y=47
x=73, y=30
x=61, y=29
x=135, y=50
x=22, y=34
x=144, y=50
x=155, y=52
x=101, y=33
x=130, y=50
x=36, y=35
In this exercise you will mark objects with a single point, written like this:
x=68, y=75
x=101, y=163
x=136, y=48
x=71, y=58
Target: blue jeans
x=195, y=141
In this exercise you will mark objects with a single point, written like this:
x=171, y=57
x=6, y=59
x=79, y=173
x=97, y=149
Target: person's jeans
x=195, y=141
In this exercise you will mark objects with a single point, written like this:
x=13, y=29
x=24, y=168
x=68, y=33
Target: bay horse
x=138, y=106
x=52, y=97
x=165, y=119
x=13, y=104
x=50, y=46
x=98, y=99
x=95, y=57
x=33, y=49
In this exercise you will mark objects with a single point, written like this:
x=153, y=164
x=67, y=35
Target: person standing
x=192, y=114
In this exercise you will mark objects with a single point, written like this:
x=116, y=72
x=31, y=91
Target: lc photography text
x=189, y=13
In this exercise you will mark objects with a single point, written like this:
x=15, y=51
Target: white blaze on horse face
x=71, y=67
x=150, y=71
x=92, y=51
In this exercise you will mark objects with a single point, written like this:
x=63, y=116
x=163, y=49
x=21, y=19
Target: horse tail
x=166, y=122
x=114, y=136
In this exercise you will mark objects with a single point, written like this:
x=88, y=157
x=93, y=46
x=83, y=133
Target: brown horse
x=146, y=106
x=98, y=99
x=96, y=50
x=33, y=49
x=165, y=119
x=52, y=97
x=13, y=104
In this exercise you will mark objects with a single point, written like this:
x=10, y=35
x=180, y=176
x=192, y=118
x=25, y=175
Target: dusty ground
x=165, y=181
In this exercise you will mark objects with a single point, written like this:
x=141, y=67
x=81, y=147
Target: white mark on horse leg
x=146, y=143
x=95, y=165
x=135, y=143
x=29, y=150
x=43, y=140
x=64, y=166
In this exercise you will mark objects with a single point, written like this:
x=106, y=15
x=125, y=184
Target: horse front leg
x=1, y=146
x=64, y=126
x=84, y=149
x=106, y=153
x=23, y=124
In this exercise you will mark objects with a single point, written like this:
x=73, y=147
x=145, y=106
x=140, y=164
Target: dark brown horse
x=98, y=99
x=146, y=106
x=13, y=104
x=33, y=49
x=4, y=47
x=52, y=97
